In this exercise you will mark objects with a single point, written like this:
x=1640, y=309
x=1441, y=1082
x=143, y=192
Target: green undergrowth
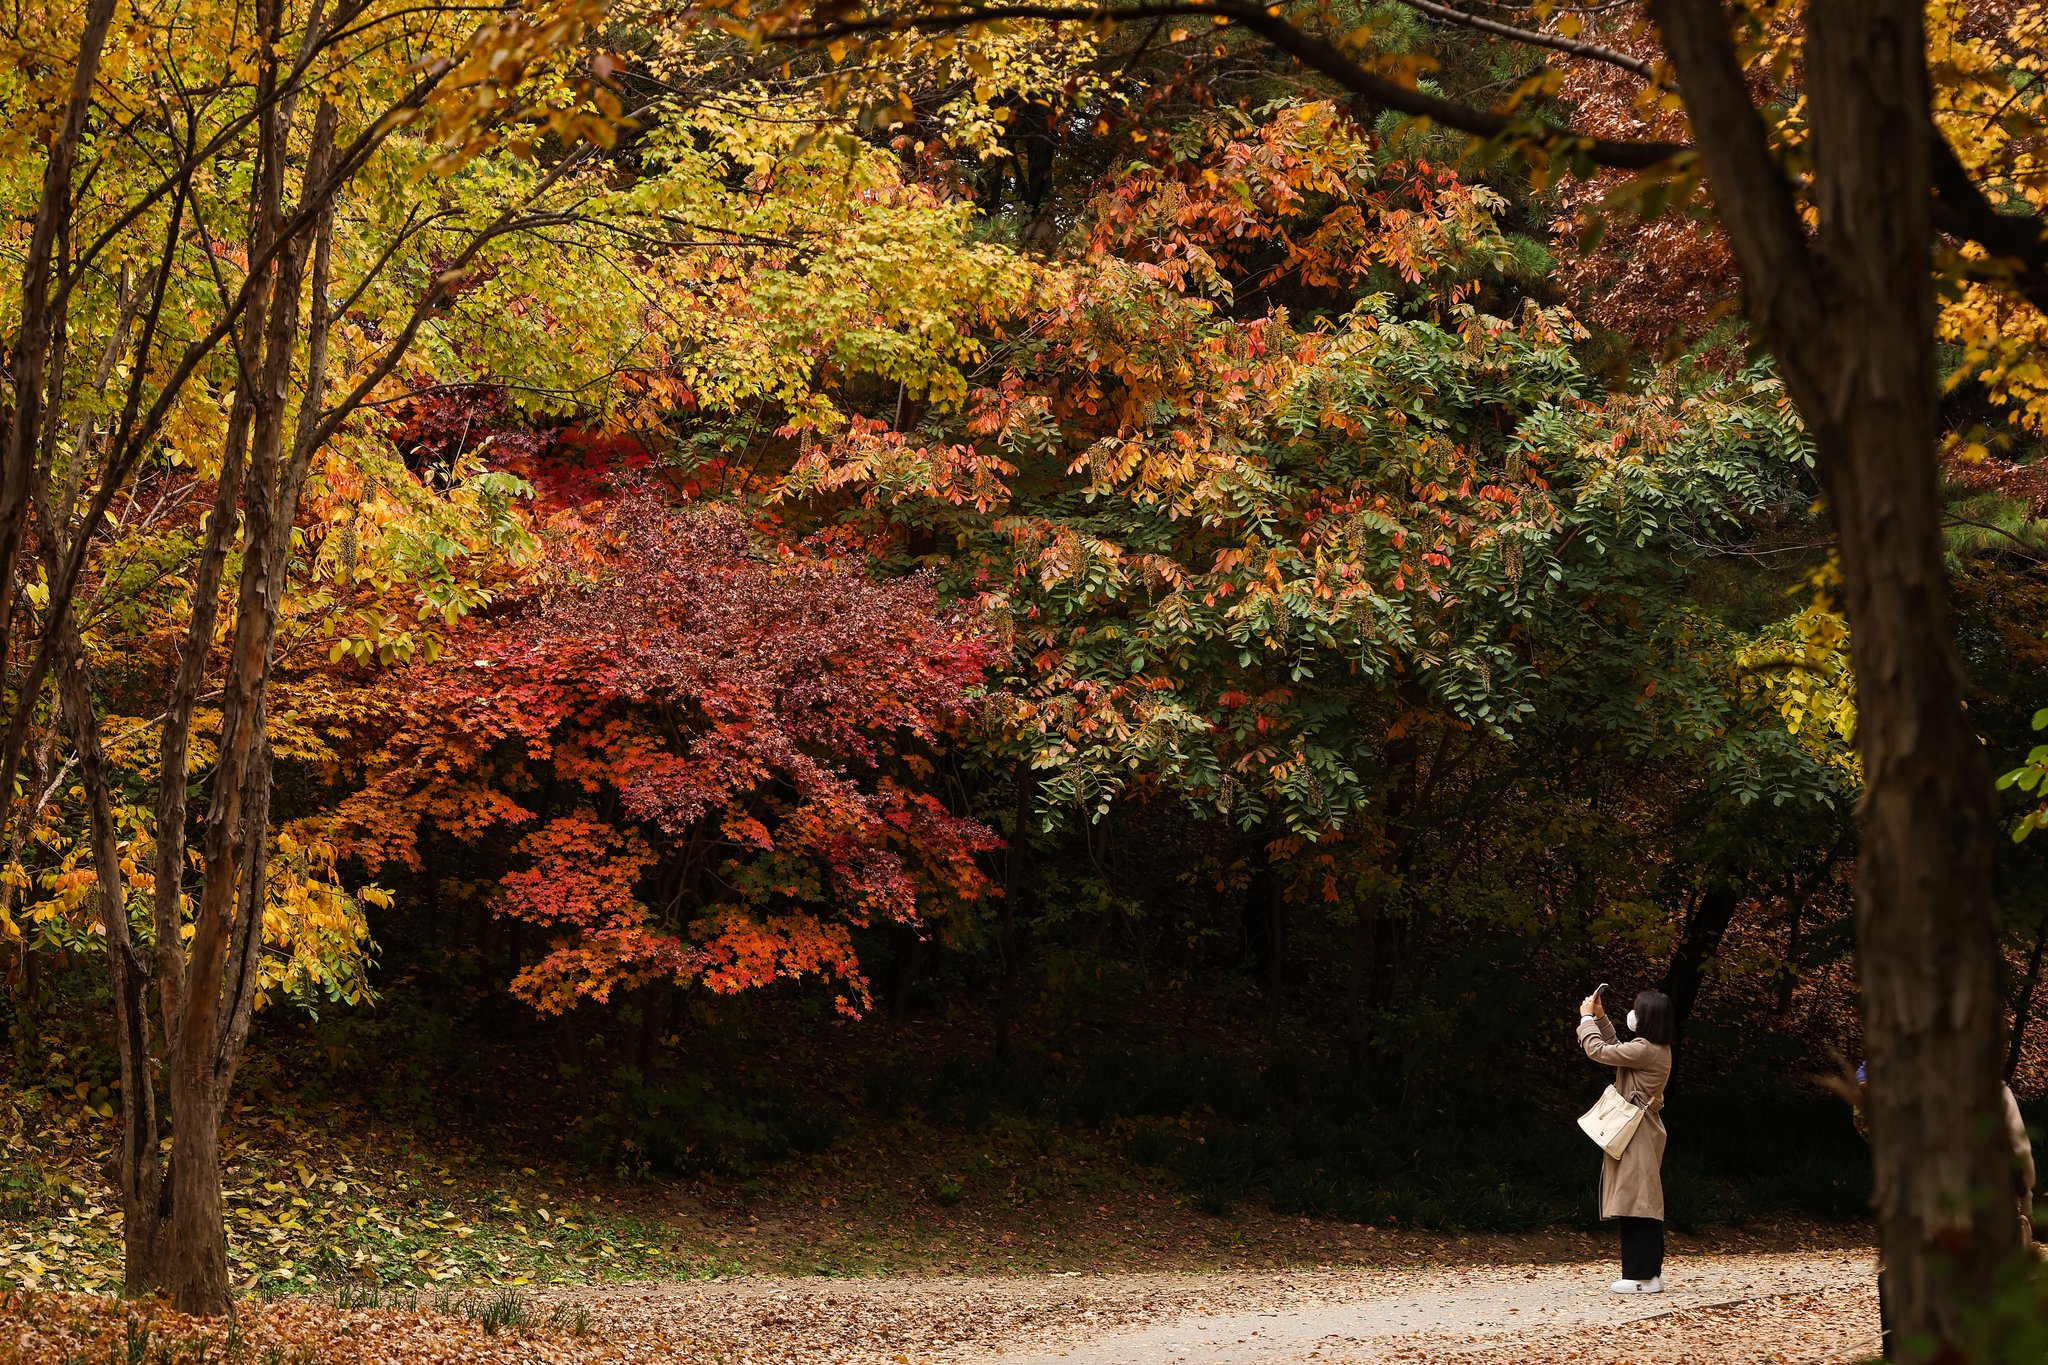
x=310, y=1207
x=504, y=1309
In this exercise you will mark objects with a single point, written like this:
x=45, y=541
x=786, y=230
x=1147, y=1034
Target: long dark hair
x=1653, y=1018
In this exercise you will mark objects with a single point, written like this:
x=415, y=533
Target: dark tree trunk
x=1926, y=915
x=1705, y=928
x=1263, y=925
x=1255, y=919
x=1926, y=918
x=655, y=1000
x=36, y=356
x=194, y=1250
x=1379, y=934
x=1276, y=961
x=917, y=948
x=1791, y=977
x=1358, y=984
x=1016, y=871
x=1849, y=312
x=137, y=1174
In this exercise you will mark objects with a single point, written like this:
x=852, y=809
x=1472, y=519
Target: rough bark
x=1850, y=316
x=1926, y=921
x=205, y=989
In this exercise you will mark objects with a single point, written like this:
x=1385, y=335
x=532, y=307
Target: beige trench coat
x=1633, y=1186
x=2023, y=1168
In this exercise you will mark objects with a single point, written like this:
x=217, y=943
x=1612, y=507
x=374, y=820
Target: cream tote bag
x=1612, y=1122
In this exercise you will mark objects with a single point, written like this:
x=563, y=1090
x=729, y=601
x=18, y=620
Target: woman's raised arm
x=1596, y=1036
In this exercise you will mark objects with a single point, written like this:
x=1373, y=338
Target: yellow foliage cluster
x=1991, y=101
x=1802, y=666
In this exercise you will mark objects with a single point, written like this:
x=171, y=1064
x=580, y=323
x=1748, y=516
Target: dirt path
x=1786, y=1306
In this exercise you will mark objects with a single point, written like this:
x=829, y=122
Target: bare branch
x=1529, y=37
x=1319, y=54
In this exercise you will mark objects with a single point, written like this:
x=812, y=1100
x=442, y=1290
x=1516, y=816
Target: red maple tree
x=704, y=761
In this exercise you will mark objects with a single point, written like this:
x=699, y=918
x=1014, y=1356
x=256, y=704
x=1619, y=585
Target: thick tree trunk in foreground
x=1849, y=311
x=1926, y=918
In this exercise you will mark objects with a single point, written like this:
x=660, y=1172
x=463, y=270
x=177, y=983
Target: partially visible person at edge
x=1632, y=1185
x=2022, y=1181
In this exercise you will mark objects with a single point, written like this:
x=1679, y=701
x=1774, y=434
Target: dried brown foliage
x=1660, y=281
x=45, y=1329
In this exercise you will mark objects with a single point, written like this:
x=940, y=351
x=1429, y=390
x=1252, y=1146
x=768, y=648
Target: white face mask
x=1631, y=1021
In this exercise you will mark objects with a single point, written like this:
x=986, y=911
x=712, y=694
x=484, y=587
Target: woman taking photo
x=1632, y=1186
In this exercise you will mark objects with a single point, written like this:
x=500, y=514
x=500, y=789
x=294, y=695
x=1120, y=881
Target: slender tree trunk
x=1263, y=925
x=1700, y=944
x=1791, y=977
x=917, y=951
x=1016, y=868
x=654, y=1003
x=208, y=989
x=136, y=1170
x=38, y=329
x=1358, y=983
x=28, y=974
x=1276, y=964
x=1380, y=937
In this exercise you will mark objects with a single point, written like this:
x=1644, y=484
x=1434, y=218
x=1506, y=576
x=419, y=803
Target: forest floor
x=1024, y=1249
x=1791, y=1306
x=1796, y=1306
x=316, y=1204
x=356, y=1242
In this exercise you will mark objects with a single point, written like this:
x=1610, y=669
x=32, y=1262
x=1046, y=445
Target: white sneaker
x=1653, y=1286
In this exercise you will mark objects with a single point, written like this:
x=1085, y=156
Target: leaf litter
x=1829, y=1315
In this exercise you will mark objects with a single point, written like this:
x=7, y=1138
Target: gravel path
x=1789, y=1306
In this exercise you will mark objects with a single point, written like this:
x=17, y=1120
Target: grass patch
x=309, y=1209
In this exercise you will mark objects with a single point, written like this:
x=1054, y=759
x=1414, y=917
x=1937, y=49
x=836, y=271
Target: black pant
x=1642, y=1248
